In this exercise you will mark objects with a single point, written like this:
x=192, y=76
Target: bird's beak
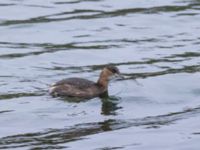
x=119, y=76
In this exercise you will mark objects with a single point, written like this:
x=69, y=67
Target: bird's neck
x=103, y=80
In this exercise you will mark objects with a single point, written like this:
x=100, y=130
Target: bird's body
x=83, y=88
x=76, y=87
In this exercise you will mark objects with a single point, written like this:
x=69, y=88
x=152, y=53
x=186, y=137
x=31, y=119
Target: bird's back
x=76, y=82
x=76, y=87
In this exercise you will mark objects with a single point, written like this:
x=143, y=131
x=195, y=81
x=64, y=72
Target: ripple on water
x=155, y=44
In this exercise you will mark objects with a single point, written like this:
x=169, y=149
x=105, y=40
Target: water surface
x=154, y=43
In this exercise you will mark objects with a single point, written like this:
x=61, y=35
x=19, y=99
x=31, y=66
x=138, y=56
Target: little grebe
x=83, y=88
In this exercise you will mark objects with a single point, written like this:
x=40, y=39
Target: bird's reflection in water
x=109, y=103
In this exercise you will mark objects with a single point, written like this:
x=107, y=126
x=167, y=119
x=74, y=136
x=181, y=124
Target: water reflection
x=9, y=96
x=109, y=104
x=5, y=111
x=55, y=138
x=47, y=48
x=98, y=14
x=156, y=42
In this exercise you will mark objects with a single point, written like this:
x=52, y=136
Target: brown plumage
x=83, y=88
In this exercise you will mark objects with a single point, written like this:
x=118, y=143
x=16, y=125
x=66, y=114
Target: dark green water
x=155, y=42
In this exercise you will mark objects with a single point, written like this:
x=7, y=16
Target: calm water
x=155, y=44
